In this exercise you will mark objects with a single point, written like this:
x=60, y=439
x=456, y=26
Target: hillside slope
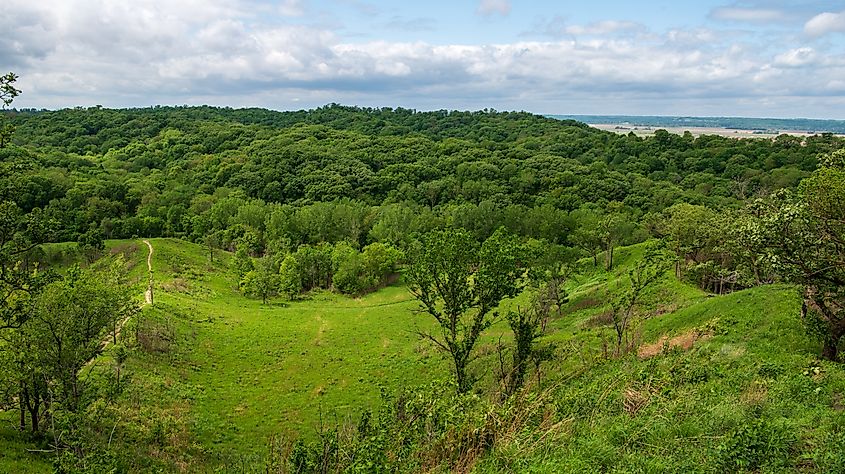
x=720, y=383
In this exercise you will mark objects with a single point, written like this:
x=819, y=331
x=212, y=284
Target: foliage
x=754, y=445
x=290, y=278
x=341, y=173
x=91, y=243
x=263, y=281
x=643, y=275
x=460, y=285
x=8, y=92
x=528, y=325
x=804, y=237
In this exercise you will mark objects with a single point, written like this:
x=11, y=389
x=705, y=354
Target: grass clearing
x=237, y=372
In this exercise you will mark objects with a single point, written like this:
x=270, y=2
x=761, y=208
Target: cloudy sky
x=704, y=57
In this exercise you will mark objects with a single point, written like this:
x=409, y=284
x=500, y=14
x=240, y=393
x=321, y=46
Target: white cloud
x=291, y=8
x=489, y=7
x=85, y=52
x=748, y=15
x=604, y=28
x=825, y=23
x=796, y=57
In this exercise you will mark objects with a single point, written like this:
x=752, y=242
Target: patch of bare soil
x=634, y=400
x=684, y=341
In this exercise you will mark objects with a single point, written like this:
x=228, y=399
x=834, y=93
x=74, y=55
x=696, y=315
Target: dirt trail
x=148, y=295
x=148, y=299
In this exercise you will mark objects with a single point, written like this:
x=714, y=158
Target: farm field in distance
x=645, y=131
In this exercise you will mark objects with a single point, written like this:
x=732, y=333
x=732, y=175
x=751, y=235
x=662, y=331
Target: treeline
x=160, y=171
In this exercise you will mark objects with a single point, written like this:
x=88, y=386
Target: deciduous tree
x=804, y=236
x=460, y=284
x=263, y=281
x=8, y=92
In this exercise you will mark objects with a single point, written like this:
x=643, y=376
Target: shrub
x=755, y=444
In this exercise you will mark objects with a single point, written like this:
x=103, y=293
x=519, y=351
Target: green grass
x=235, y=372
x=15, y=456
x=240, y=371
x=752, y=394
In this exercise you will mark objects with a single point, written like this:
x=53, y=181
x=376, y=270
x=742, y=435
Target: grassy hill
x=719, y=382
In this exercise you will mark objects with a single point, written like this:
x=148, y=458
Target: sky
x=697, y=58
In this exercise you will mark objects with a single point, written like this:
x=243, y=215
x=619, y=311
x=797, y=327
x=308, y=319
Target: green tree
x=648, y=270
x=211, y=241
x=8, y=92
x=67, y=327
x=19, y=235
x=586, y=235
x=290, y=277
x=528, y=324
x=91, y=244
x=263, y=281
x=687, y=231
x=612, y=225
x=348, y=269
x=394, y=224
x=804, y=236
x=380, y=261
x=460, y=285
x=315, y=265
x=242, y=263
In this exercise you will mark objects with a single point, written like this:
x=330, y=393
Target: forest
x=350, y=289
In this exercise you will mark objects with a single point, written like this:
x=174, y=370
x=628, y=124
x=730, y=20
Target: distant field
x=645, y=131
x=736, y=127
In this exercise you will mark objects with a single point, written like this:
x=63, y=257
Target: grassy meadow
x=720, y=383
x=231, y=372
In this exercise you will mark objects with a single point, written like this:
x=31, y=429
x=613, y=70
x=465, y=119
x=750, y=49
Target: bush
x=755, y=444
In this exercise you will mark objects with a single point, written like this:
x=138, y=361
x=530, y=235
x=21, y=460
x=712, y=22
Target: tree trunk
x=22, y=406
x=619, y=327
x=34, y=410
x=835, y=326
x=830, y=350
x=460, y=375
